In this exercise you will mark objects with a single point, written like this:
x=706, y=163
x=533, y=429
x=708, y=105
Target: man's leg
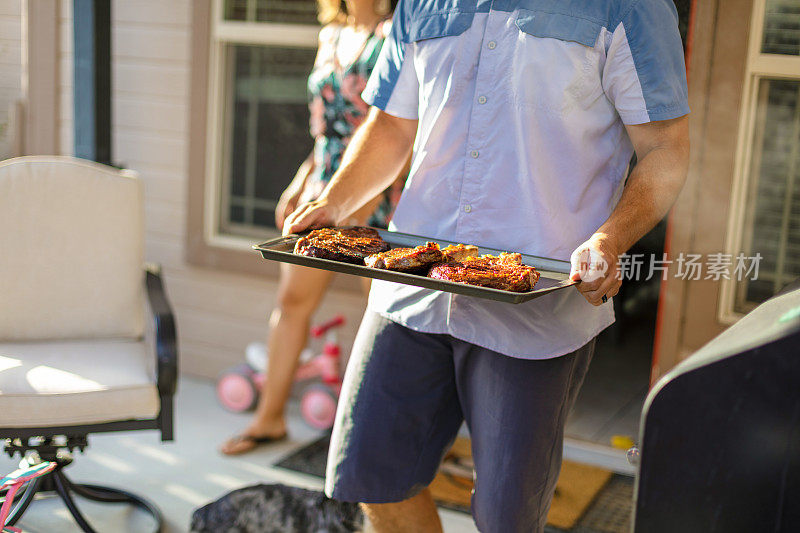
x=515, y=410
x=398, y=414
x=415, y=515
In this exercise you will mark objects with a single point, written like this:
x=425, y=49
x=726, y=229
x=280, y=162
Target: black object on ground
x=277, y=509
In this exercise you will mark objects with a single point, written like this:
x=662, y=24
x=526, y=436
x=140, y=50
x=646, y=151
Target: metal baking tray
x=554, y=274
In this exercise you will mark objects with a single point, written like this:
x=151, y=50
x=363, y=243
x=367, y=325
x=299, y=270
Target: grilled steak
x=349, y=245
x=407, y=259
x=505, y=272
x=459, y=252
x=504, y=258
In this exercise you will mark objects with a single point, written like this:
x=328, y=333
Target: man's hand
x=311, y=215
x=595, y=263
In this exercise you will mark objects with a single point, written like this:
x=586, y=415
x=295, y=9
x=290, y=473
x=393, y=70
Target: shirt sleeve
x=645, y=74
x=393, y=86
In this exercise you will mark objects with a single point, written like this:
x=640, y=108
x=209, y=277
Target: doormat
x=587, y=499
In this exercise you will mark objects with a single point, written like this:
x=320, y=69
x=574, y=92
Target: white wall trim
x=40, y=77
x=228, y=32
x=266, y=33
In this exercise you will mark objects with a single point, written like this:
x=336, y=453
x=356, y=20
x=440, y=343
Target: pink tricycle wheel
x=318, y=406
x=237, y=392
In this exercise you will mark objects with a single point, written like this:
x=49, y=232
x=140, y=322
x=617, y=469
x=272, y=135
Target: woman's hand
x=286, y=205
x=311, y=215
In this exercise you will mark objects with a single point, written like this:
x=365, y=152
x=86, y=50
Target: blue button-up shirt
x=521, y=143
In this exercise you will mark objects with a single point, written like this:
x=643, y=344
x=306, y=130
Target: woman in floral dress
x=349, y=44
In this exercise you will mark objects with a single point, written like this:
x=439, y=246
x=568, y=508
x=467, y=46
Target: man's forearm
x=373, y=159
x=663, y=150
x=651, y=190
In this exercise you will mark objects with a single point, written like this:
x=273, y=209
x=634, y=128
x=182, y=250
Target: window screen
x=286, y=11
x=266, y=131
x=782, y=27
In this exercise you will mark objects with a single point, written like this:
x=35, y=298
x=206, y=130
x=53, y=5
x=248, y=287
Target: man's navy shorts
x=404, y=398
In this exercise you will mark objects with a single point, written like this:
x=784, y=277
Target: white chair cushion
x=76, y=382
x=71, y=250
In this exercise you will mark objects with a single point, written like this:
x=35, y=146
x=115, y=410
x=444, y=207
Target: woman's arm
x=291, y=195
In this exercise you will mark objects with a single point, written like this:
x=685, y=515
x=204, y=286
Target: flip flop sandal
x=253, y=442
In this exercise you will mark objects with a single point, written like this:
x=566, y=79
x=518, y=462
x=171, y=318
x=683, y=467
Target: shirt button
x=481, y=99
x=474, y=154
x=467, y=208
x=492, y=45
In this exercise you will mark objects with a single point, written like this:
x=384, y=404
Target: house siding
x=218, y=312
x=10, y=70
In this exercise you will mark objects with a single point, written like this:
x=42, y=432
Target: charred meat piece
x=407, y=259
x=505, y=258
x=459, y=252
x=348, y=245
x=505, y=272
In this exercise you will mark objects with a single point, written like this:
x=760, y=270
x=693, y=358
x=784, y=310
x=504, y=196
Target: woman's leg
x=300, y=291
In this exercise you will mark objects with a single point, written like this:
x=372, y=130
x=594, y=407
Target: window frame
x=206, y=247
x=223, y=33
x=759, y=66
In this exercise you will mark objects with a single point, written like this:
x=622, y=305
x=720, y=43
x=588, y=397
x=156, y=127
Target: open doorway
x=613, y=393
x=610, y=403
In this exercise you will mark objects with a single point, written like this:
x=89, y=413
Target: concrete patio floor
x=182, y=475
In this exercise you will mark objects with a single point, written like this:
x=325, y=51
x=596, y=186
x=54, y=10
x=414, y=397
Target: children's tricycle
x=239, y=386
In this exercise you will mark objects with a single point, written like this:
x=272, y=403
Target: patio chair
x=77, y=355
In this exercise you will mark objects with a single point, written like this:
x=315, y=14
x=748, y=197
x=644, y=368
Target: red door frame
x=668, y=237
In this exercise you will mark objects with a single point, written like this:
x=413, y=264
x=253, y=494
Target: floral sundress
x=337, y=109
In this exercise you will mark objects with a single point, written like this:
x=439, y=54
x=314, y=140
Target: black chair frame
x=50, y=443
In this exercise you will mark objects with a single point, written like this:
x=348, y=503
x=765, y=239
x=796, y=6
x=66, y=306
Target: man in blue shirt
x=522, y=117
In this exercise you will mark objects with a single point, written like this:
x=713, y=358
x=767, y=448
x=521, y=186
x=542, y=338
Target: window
x=772, y=219
x=248, y=126
x=781, y=27
x=765, y=214
x=262, y=52
x=292, y=11
x=266, y=132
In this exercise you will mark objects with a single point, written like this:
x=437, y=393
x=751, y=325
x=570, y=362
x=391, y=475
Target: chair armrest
x=165, y=334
